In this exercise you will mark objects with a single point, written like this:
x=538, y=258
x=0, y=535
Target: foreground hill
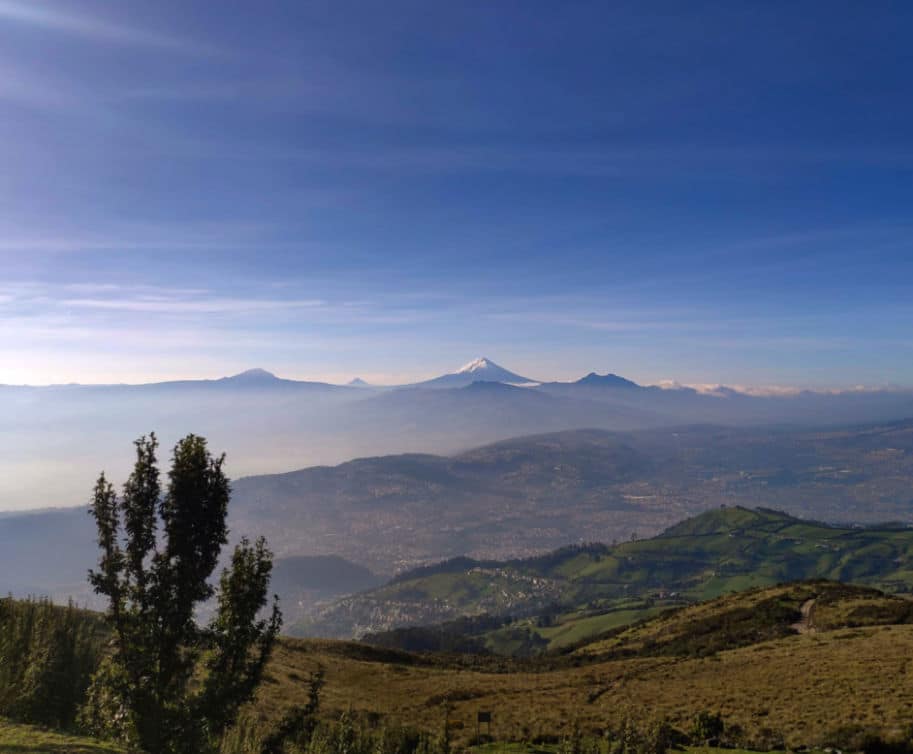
x=584, y=590
x=778, y=676
x=815, y=664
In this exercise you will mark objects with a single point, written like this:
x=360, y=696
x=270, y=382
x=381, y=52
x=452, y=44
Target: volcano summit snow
x=479, y=370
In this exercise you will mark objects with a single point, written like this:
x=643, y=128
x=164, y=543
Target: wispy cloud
x=90, y=289
x=98, y=304
x=165, y=305
x=133, y=237
x=51, y=17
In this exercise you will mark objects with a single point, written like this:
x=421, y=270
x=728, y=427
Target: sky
x=699, y=192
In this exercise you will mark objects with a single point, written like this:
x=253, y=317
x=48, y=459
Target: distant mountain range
x=482, y=369
x=258, y=379
x=55, y=440
x=478, y=370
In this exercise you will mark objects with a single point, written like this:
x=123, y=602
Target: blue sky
x=701, y=192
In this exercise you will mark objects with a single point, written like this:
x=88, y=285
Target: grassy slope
x=501, y=747
x=852, y=670
x=750, y=617
x=26, y=739
x=802, y=686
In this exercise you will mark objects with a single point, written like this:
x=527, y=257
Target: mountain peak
x=482, y=369
x=256, y=374
x=606, y=380
x=478, y=365
x=357, y=382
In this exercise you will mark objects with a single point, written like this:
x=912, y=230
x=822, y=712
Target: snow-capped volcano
x=477, y=370
x=477, y=365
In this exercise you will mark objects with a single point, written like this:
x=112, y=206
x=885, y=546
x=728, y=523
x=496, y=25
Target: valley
x=554, y=600
x=518, y=498
x=527, y=495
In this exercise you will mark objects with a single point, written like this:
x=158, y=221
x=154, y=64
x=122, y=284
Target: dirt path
x=807, y=624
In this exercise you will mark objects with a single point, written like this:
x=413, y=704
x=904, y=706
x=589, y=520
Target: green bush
x=707, y=726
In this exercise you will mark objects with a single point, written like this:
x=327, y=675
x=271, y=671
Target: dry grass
x=803, y=687
x=799, y=688
x=675, y=624
x=27, y=739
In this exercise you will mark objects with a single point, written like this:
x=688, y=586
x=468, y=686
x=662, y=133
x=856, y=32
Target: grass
x=736, y=655
x=27, y=739
x=505, y=747
x=723, y=623
x=712, y=750
x=498, y=747
x=775, y=685
x=573, y=629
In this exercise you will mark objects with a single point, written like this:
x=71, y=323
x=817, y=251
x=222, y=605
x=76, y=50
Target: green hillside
x=581, y=591
x=28, y=739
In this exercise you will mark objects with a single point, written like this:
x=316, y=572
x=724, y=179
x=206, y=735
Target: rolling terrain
x=774, y=685
x=531, y=494
x=805, y=664
x=514, y=499
x=575, y=592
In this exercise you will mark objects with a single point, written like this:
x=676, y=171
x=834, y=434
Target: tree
x=172, y=686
